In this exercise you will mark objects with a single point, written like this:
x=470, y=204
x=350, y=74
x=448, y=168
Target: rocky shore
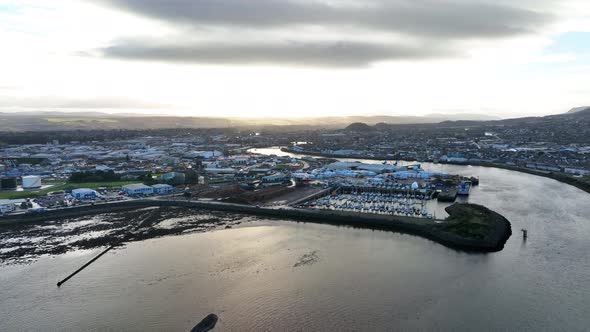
x=474, y=226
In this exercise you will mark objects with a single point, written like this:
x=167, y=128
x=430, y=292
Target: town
x=38, y=177
x=89, y=167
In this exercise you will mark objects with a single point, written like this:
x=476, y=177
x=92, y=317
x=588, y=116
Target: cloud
x=318, y=33
x=454, y=19
x=78, y=103
x=328, y=54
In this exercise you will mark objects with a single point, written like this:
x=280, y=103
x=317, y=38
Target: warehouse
x=137, y=189
x=162, y=189
x=31, y=181
x=6, y=206
x=84, y=193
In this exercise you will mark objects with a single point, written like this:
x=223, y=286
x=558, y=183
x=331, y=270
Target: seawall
x=416, y=226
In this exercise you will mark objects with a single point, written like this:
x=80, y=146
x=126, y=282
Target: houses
x=137, y=189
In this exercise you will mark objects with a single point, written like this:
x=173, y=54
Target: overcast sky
x=295, y=57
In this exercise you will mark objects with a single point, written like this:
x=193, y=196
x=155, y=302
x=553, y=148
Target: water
x=279, y=275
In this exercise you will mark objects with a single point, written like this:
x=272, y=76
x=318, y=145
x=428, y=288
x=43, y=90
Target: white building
x=84, y=193
x=32, y=181
x=6, y=206
x=137, y=189
x=161, y=189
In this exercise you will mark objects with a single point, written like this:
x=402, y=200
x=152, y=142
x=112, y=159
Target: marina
x=374, y=203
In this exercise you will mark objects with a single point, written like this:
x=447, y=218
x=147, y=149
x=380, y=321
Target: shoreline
x=425, y=228
x=557, y=177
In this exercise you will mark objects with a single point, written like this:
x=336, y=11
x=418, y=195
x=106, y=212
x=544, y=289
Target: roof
x=161, y=185
x=135, y=186
x=81, y=190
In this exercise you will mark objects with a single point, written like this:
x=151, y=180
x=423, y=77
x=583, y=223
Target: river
x=278, y=275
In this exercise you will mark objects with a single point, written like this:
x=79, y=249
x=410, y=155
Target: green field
x=63, y=186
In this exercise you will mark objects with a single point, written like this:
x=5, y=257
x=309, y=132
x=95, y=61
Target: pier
x=139, y=225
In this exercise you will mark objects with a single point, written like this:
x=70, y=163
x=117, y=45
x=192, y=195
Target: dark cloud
x=453, y=19
x=437, y=27
x=339, y=54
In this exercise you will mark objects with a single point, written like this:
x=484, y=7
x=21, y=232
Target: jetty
x=139, y=225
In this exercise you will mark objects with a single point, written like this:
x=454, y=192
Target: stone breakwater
x=497, y=229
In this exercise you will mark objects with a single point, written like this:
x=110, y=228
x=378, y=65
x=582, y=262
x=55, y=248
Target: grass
x=63, y=186
x=469, y=222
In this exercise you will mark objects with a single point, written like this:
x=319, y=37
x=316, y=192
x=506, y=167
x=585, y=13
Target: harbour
x=539, y=284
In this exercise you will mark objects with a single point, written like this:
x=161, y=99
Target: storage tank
x=32, y=181
x=8, y=183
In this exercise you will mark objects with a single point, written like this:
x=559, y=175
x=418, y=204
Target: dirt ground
x=272, y=196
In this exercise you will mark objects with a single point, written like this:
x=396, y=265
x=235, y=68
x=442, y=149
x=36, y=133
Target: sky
x=295, y=58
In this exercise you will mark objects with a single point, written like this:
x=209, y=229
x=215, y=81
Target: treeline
x=108, y=176
x=67, y=136
x=95, y=176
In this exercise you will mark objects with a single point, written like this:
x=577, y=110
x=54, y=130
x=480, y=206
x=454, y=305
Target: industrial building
x=6, y=206
x=31, y=181
x=84, y=193
x=377, y=168
x=8, y=183
x=162, y=189
x=137, y=189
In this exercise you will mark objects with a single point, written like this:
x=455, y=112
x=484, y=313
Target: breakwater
x=426, y=228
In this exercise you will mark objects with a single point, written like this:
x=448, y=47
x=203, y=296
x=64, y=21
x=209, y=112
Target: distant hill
x=578, y=109
x=60, y=121
x=359, y=126
x=57, y=121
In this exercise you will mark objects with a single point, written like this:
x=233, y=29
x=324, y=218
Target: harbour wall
x=417, y=226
